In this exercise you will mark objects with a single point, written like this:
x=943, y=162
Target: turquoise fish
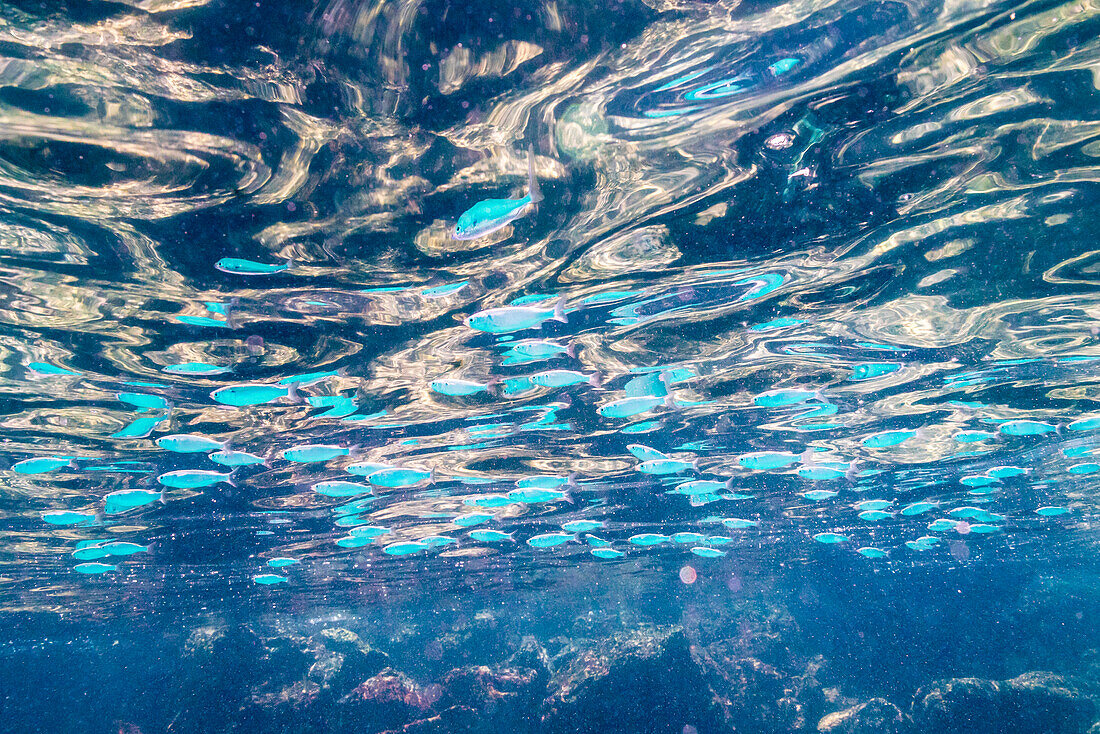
x=193, y=478
x=506, y=319
x=252, y=394
x=186, y=443
x=42, y=464
x=313, y=453
x=486, y=217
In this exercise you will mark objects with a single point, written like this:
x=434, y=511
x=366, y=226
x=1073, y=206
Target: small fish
x=491, y=536
x=282, y=562
x=338, y=488
x=392, y=477
x=704, y=552
x=545, y=481
x=240, y=266
x=143, y=401
x=366, y=468
x=534, y=350
x=312, y=378
x=141, y=427
x=92, y=568
x=228, y=457
x=667, y=466
x=532, y=495
x=981, y=528
x=122, y=548
x=918, y=508
x=403, y=549
x=767, y=460
x=486, y=217
x=312, y=453
x=201, y=369
x=701, y=486
x=65, y=517
x=1006, y=472
x=831, y=538
x=193, y=478
x=630, y=407
x=507, y=319
x=468, y=521
x=923, y=543
x=437, y=541
x=128, y=499
x=240, y=396
x=582, y=526
x=1051, y=511
x=817, y=495
x=488, y=501
x=549, y=540
x=783, y=397
x=186, y=443
x=975, y=513
x=973, y=436
x=871, y=552
x=737, y=523
x=369, y=531
x=44, y=368
x=565, y=378
x=645, y=453
x=648, y=539
x=874, y=515
x=1026, y=428
x=43, y=464
x=686, y=538
x=886, y=439
x=874, y=505
x=820, y=473
x=459, y=388
x=267, y=579
x=606, y=553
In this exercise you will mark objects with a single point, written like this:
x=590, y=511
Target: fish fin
x=559, y=311
x=292, y=393
x=533, y=189
x=571, y=479
x=670, y=402
x=492, y=387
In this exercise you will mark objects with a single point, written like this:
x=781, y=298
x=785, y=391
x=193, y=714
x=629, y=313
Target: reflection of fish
x=486, y=217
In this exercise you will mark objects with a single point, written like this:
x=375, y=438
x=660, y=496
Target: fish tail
x=571, y=479
x=670, y=402
x=571, y=350
x=559, y=311
x=533, y=190
x=231, y=479
x=729, y=484
x=292, y=393
x=595, y=380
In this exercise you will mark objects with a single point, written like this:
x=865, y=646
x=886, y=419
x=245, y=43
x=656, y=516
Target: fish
x=1051, y=511
x=830, y=538
x=767, y=460
x=43, y=464
x=923, y=543
x=874, y=504
x=128, y=499
x=459, y=388
x=685, y=538
x=630, y=407
x=783, y=397
x=338, y=488
x=886, y=439
x=240, y=266
x=565, y=378
x=267, y=579
x=549, y=540
x=871, y=552
x=194, y=478
x=201, y=369
x=229, y=457
x=606, y=553
x=123, y=548
x=366, y=468
x=240, y=396
x=918, y=508
x=312, y=453
x=1026, y=428
x=491, y=536
x=648, y=539
x=533, y=495
x=403, y=549
x=143, y=401
x=737, y=523
x=667, y=466
x=393, y=477
x=93, y=568
x=545, y=481
x=490, y=215
x=508, y=319
x=66, y=517
x=186, y=443
x=705, y=552
x=534, y=350
x=282, y=562
x=701, y=486
x=45, y=368
x=817, y=495
x=645, y=453
x=369, y=531
x=581, y=526
x=489, y=501
x=468, y=521
x=874, y=515
x=141, y=427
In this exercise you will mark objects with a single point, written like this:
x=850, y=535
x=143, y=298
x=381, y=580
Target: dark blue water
x=791, y=375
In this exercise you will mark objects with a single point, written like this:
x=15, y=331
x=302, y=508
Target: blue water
x=804, y=327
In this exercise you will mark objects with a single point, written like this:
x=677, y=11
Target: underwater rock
x=530, y=654
x=342, y=660
x=388, y=700
x=1032, y=703
x=755, y=696
x=640, y=681
x=217, y=674
x=877, y=716
x=505, y=699
x=292, y=708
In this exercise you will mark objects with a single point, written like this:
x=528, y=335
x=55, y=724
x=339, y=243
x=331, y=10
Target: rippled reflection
x=827, y=272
